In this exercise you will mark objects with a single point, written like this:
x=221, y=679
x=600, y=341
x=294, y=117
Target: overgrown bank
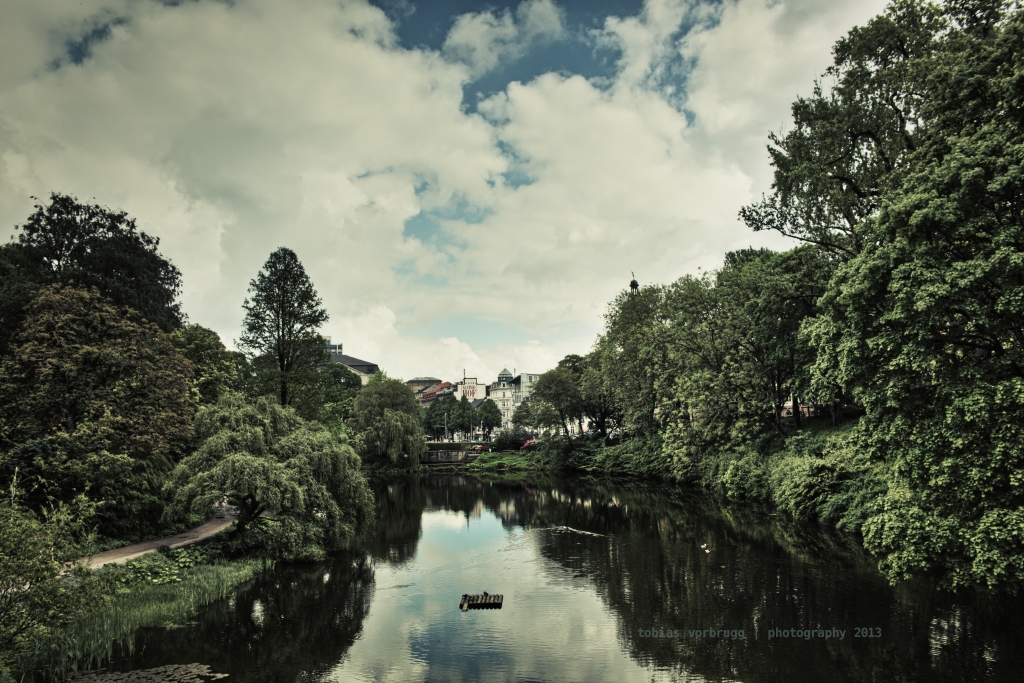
x=158, y=590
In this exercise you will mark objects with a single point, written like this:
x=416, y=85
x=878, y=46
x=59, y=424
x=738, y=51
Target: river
x=602, y=581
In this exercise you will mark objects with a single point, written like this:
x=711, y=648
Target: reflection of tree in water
x=293, y=623
x=650, y=568
x=396, y=531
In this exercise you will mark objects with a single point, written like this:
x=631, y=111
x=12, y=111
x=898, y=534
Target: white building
x=501, y=393
x=469, y=388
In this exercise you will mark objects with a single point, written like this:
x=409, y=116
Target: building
x=522, y=387
x=418, y=384
x=363, y=369
x=438, y=391
x=501, y=393
x=469, y=388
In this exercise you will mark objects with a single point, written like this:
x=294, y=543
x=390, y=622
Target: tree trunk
x=796, y=411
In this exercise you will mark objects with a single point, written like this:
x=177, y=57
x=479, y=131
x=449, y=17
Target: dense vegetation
x=902, y=306
x=119, y=421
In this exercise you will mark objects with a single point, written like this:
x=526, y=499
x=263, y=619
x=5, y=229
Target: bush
x=510, y=439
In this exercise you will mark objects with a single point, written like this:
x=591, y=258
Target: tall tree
x=489, y=415
x=94, y=400
x=91, y=246
x=281, y=321
x=926, y=323
x=558, y=388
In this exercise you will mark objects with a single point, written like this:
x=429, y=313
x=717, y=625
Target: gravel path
x=130, y=552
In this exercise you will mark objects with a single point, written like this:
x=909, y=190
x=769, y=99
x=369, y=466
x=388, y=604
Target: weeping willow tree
x=296, y=485
x=387, y=423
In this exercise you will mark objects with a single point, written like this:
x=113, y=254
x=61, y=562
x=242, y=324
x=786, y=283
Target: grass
x=91, y=641
x=490, y=462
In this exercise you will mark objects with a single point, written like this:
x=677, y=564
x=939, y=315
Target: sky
x=467, y=184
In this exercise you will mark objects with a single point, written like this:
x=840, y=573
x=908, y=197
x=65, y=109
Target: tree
x=489, y=415
x=597, y=398
x=282, y=319
x=833, y=165
x=70, y=242
x=214, y=366
x=634, y=354
x=329, y=396
x=297, y=485
x=557, y=387
x=925, y=323
x=441, y=413
x=522, y=416
x=94, y=400
x=464, y=417
x=387, y=424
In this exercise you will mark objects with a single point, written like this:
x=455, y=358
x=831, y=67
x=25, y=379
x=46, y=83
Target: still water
x=602, y=582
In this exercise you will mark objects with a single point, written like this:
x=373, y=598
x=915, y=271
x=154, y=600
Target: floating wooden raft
x=484, y=601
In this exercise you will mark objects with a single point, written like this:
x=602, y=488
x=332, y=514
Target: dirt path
x=130, y=552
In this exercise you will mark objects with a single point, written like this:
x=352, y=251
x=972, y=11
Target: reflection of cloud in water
x=545, y=631
x=443, y=520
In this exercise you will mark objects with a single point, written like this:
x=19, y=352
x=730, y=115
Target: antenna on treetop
x=633, y=284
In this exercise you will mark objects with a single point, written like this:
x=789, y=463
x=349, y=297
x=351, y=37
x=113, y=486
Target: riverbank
x=163, y=589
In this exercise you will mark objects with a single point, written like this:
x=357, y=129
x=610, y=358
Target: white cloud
x=483, y=39
x=230, y=130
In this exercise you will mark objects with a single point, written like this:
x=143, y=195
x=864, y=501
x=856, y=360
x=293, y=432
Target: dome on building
x=505, y=375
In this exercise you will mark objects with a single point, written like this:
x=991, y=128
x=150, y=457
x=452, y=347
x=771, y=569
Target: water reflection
x=590, y=570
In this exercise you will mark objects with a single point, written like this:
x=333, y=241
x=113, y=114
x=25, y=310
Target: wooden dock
x=484, y=601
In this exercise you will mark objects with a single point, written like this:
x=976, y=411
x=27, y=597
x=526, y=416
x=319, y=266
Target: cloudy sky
x=467, y=184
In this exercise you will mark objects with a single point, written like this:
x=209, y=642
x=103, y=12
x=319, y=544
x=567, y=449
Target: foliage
x=297, y=485
x=440, y=413
x=387, y=424
x=38, y=592
x=558, y=388
x=328, y=395
x=93, y=247
x=510, y=439
x=489, y=415
x=213, y=365
x=94, y=400
x=926, y=323
x=125, y=602
x=281, y=322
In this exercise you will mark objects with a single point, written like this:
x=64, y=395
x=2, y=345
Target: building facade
x=501, y=393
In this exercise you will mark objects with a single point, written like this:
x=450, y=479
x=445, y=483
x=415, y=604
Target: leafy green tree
x=464, y=417
x=91, y=246
x=597, y=396
x=440, y=413
x=214, y=366
x=926, y=323
x=387, y=424
x=94, y=400
x=297, y=485
x=833, y=165
x=281, y=322
x=329, y=395
x=522, y=416
x=557, y=388
x=633, y=355
x=489, y=416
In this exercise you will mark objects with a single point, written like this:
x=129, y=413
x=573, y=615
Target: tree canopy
x=91, y=246
x=296, y=484
x=387, y=424
x=282, y=318
x=94, y=400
